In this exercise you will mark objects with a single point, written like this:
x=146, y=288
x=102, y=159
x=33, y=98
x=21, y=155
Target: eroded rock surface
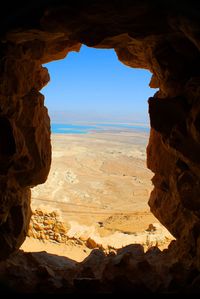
x=130, y=270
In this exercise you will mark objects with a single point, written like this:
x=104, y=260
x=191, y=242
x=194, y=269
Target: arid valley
x=98, y=188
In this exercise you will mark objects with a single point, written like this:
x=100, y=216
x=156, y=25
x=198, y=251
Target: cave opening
x=162, y=37
x=99, y=184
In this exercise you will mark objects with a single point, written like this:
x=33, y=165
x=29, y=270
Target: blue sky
x=94, y=86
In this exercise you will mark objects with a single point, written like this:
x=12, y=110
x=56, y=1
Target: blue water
x=85, y=129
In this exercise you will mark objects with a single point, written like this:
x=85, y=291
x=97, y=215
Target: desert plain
x=99, y=185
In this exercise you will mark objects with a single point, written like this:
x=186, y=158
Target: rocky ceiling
x=161, y=36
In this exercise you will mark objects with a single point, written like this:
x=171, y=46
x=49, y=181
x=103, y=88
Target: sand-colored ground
x=99, y=181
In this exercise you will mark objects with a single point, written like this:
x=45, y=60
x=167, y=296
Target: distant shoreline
x=74, y=128
x=102, y=122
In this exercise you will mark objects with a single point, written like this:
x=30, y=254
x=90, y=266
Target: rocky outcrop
x=162, y=37
x=47, y=226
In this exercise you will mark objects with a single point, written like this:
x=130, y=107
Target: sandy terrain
x=99, y=181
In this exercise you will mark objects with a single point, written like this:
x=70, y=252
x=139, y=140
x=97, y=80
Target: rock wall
x=162, y=37
x=25, y=151
x=47, y=226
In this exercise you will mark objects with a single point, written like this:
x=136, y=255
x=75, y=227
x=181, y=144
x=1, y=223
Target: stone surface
x=162, y=37
x=130, y=270
x=46, y=225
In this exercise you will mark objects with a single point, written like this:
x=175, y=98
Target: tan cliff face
x=163, y=38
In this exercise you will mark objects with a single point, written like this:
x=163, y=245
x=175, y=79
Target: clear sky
x=94, y=86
